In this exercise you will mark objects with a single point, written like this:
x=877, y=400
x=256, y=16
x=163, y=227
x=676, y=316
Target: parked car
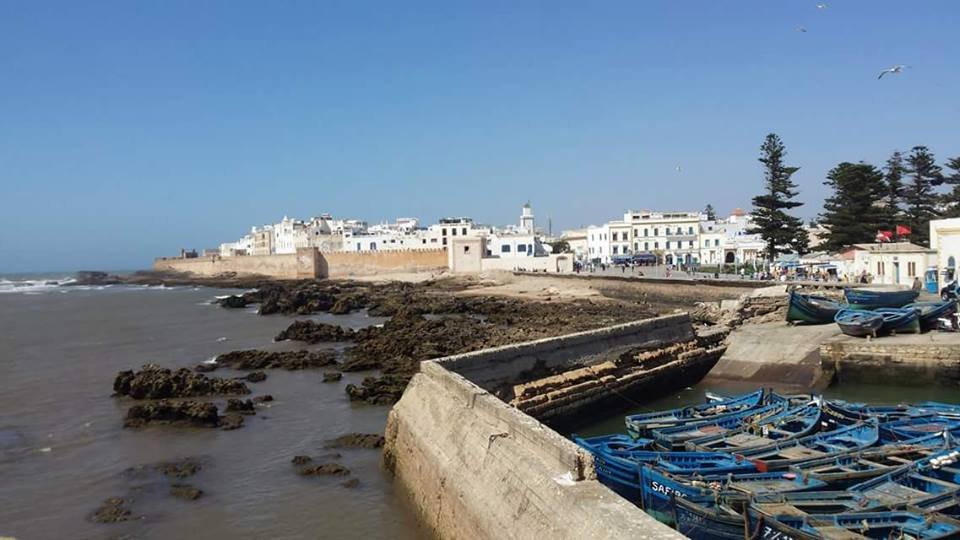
x=949, y=291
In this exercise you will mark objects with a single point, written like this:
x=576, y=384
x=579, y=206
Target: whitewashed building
x=889, y=263
x=945, y=242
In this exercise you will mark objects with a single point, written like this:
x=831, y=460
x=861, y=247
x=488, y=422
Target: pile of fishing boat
x=870, y=312
x=766, y=465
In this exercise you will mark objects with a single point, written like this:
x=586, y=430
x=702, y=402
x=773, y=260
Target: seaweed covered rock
x=113, y=510
x=185, y=491
x=383, y=390
x=314, y=332
x=324, y=469
x=242, y=406
x=180, y=413
x=357, y=440
x=332, y=376
x=154, y=382
x=291, y=360
x=233, y=301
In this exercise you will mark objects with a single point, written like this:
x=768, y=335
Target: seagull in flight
x=822, y=5
x=895, y=70
x=801, y=29
x=679, y=169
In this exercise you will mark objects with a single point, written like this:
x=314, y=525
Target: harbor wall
x=890, y=361
x=308, y=263
x=475, y=467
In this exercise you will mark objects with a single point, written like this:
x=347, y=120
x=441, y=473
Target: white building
x=577, y=240
x=890, y=263
x=945, y=242
x=526, y=219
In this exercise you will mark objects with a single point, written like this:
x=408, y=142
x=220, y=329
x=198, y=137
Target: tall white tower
x=526, y=218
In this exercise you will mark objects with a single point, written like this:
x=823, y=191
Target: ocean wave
x=32, y=286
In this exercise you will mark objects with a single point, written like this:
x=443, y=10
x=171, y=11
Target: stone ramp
x=776, y=355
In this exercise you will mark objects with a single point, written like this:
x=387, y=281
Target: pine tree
x=710, y=212
x=920, y=200
x=894, y=171
x=854, y=213
x=951, y=199
x=781, y=231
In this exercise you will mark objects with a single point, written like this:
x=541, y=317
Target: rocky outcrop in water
x=383, y=390
x=242, y=406
x=233, y=302
x=291, y=360
x=180, y=413
x=314, y=332
x=255, y=377
x=357, y=440
x=113, y=510
x=324, y=469
x=154, y=382
x=332, y=376
x=92, y=277
x=181, y=468
x=231, y=421
x=185, y=491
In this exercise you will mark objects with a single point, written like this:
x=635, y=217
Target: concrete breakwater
x=474, y=466
x=911, y=360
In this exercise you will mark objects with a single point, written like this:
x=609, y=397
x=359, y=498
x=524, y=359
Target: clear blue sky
x=130, y=129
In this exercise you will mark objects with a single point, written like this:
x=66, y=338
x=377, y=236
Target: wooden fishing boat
x=810, y=502
x=873, y=525
x=842, y=412
x=702, y=522
x=899, y=320
x=783, y=454
x=859, y=323
x=911, y=428
x=659, y=486
x=848, y=469
x=674, y=437
x=811, y=309
x=617, y=443
x=793, y=423
x=931, y=311
x=911, y=484
x=638, y=425
x=873, y=298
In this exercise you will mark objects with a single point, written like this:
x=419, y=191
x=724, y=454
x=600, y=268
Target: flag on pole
x=903, y=230
x=884, y=236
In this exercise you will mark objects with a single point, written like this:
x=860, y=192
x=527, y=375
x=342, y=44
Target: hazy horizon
x=132, y=130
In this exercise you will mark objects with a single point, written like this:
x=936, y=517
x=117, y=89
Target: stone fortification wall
x=888, y=361
x=346, y=263
x=308, y=263
x=552, y=264
x=300, y=265
x=475, y=467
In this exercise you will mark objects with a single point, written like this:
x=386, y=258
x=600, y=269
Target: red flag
x=903, y=230
x=884, y=236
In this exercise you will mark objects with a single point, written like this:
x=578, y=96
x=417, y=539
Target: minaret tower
x=526, y=218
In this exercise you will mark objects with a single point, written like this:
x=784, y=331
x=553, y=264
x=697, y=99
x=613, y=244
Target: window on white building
x=453, y=232
x=464, y=231
x=689, y=230
x=668, y=244
x=655, y=232
x=716, y=242
x=522, y=248
x=443, y=231
x=645, y=231
x=691, y=243
x=505, y=248
x=614, y=237
x=646, y=246
x=656, y=245
x=614, y=250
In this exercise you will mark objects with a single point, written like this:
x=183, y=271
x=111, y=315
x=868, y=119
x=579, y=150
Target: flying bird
x=822, y=5
x=678, y=169
x=895, y=70
x=801, y=29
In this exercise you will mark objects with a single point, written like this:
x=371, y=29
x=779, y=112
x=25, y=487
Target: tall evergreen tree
x=893, y=176
x=780, y=230
x=920, y=200
x=710, y=212
x=952, y=198
x=854, y=212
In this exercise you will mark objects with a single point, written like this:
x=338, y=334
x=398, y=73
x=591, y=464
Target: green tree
x=560, y=246
x=781, y=231
x=893, y=176
x=854, y=213
x=951, y=199
x=710, y=212
x=919, y=197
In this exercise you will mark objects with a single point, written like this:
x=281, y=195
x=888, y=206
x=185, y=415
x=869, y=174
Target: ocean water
x=63, y=449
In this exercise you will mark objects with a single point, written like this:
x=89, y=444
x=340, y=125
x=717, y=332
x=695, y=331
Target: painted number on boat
x=666, y=490
x=770, y=534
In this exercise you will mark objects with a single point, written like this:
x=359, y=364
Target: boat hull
x=700, y=522
x=811, y=309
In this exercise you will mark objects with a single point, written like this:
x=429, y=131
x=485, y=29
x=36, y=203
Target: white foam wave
x=32, y=286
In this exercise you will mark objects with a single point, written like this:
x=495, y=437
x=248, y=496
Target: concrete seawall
x=908, y=360
x=475, y=467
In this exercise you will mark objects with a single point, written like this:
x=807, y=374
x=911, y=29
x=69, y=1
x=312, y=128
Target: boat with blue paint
x=675, y=437
x=639, y=425
x=811, y=309
x=863, y=298
x=791, y=424
x=931, y=311
x=699, y=521
x=858, y=323
x=872, y=525
x=899, y=320
x=817, y=446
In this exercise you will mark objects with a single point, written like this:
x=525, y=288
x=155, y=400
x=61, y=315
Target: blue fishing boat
x=859, y=323
x=658, y=487
x=674, y=437
x=841, y=412
x=811, y=309
x=699, y=521
x=899, y=320
x=783, y=454
x=911, y=428
x=810, y=502
x=911, y=484
x=615, y=444
x=873, y=299
x=638, y=425
x=931, y=311
x=851, y=468
x=793, y=423
x=874, y=525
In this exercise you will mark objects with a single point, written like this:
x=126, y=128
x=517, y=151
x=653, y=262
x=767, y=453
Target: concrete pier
x=476, y=467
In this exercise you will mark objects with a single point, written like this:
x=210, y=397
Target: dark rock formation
x=292, y=360
x=233, y=301
x=255, y=376
x=154, y=382
x=92, y=277
x=301, y=460
x=205, y=367
x=314, y=332
x=325, y=469
x=113, y=510
x=231, y=421
x=183, y=413
x=181, y=468
x=332, y=376
x=263, y=398
x=379, y=390
x=351, y=483
x=185, y=491
x=242, y=406
x=357, y=440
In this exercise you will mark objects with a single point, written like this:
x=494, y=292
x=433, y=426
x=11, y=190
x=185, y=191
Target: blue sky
x=130, y=129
